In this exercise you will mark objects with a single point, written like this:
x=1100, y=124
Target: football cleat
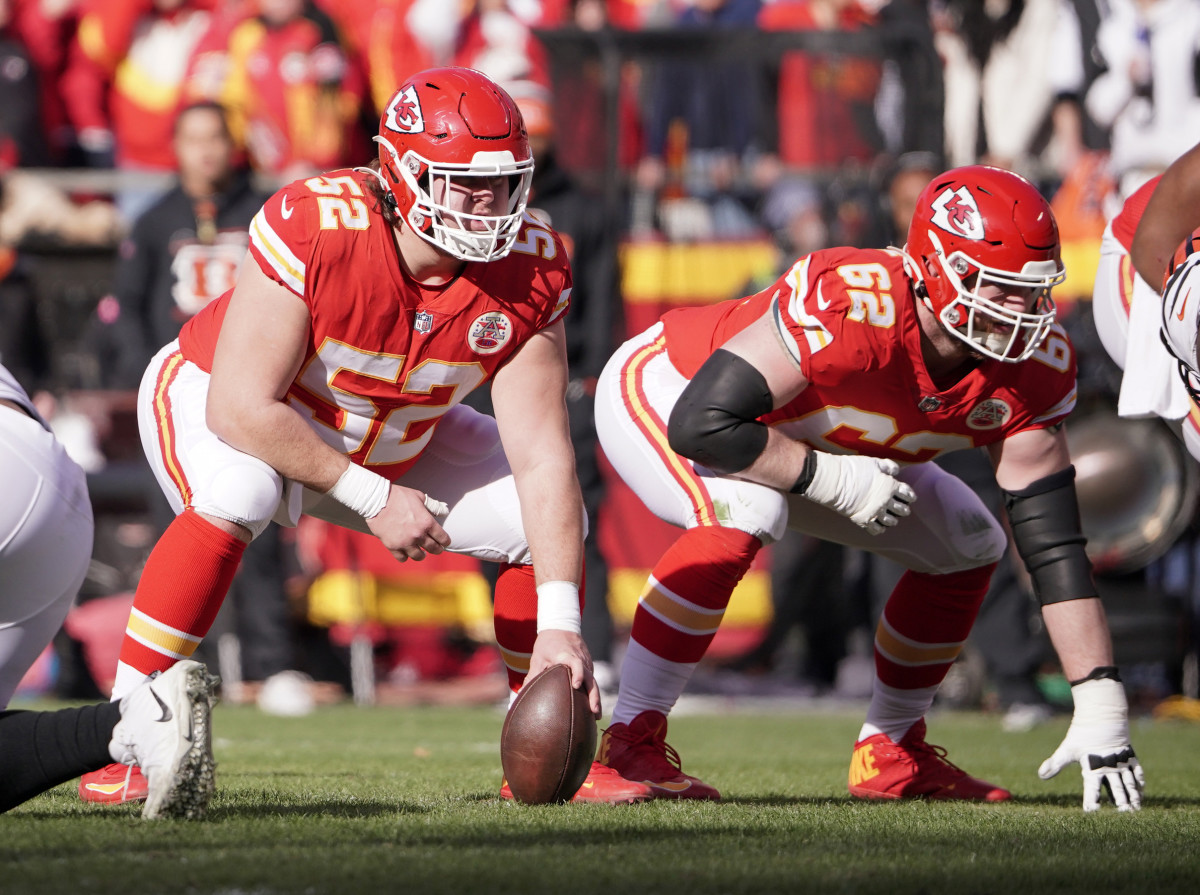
x=165, y=728
x=913, y=769
x=113, y=783
x=639, y=751
x=601, y=786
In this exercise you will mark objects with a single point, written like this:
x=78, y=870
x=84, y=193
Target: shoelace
x=938, y=753
x=649, y=745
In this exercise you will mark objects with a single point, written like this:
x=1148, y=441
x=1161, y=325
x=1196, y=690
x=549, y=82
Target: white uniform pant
x=45, y=542
x=1127, y=310
x=463, y=465
x=950, y=528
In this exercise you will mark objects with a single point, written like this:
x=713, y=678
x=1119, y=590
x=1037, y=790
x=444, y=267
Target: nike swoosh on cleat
x=166, y=709
x=106, y=788
x=670, y=787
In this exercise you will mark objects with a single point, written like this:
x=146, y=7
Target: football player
x=328, y=381
x=163, y=725
x=1130, y=321
x=45, y=529
x=816, y=404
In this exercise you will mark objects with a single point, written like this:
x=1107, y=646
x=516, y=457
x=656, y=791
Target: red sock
x=685, y=598
x=516, y=620
x=925, y=624
x=183, y=585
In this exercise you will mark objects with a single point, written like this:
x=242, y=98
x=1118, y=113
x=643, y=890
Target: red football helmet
x=451, y=123
x=975, y=226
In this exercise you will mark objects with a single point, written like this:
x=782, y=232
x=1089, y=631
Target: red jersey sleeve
x=813, y=300
x=283, y=234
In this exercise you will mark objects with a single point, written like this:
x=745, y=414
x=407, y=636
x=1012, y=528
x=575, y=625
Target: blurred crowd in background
x=689, y=150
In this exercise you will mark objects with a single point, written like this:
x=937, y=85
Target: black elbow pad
x=715, y=421
x=1049, y=538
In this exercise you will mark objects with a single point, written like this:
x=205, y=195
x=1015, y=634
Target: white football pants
x=1117, y=292
x=463, y=465
x=45, y=542
x=949, y=530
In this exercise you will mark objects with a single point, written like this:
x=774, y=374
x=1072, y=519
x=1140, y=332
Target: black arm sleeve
x=1049, y=537
x=715, y=421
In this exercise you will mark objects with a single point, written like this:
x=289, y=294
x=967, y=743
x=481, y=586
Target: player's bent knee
x=243, y=493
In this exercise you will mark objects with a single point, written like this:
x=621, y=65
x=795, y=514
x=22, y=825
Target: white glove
x=863, y=489
x=1099, y=740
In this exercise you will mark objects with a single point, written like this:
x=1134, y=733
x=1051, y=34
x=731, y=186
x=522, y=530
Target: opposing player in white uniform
x=45, y=534
x=816, y=405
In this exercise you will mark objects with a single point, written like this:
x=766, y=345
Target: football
x=549, y=739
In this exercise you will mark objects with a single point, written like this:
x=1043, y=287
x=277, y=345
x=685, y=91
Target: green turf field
x=384, y=800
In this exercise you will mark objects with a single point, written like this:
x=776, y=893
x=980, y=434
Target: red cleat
x=913, y=769
x=114, y=783
x=604, y=786
x=639, y=751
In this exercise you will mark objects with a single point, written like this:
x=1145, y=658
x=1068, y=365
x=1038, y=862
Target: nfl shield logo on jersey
x=423, y=322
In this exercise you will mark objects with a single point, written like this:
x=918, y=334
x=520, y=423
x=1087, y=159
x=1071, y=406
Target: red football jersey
x=386, y=356
x=848, y=317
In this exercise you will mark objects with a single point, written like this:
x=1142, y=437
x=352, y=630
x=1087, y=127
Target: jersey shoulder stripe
x=275, y=252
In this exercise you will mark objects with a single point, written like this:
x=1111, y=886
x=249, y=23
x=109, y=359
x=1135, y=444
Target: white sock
x=894, y=711
x=648, y=683
x=127, y=680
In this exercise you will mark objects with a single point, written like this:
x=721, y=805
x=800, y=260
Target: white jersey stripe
x=282, y=260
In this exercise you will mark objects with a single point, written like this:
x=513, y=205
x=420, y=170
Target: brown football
x=549, y=739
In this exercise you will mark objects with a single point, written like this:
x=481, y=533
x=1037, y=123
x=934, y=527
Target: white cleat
x=165, y=729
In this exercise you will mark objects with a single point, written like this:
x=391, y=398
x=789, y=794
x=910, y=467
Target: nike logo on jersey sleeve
x=283, y=208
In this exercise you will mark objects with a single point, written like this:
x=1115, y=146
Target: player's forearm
x=276, y=434
x=552, y=514
x=1171, y=214
x=1079, y=631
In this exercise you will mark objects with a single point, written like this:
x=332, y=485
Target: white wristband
x=558, y=607
x=361, y=490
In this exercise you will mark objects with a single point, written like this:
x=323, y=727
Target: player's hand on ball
x=1099, y=740
x=408, y=524
x=554, y=647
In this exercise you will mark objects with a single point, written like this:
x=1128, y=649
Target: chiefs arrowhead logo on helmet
x=955, y=211
x=403, y=113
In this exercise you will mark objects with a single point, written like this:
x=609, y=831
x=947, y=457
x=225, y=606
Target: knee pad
x=247, y=493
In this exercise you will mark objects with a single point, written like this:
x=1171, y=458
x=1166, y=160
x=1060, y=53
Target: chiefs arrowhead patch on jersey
x=955, y=212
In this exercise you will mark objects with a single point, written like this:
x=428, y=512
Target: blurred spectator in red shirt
x=292, y=90
x=22, y=140
x=498, y=43
x=125, y=76
x=826, y=103
x=45, y=28
x=391, y=39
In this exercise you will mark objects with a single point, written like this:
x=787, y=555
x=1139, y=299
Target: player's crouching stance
x=328, y=381
x=816, y=405
x=163, y=726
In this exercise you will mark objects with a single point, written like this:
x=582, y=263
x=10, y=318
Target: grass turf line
x=376, y=800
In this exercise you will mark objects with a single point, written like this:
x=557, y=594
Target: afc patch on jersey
x=955, y=212
x=403, y=113
x=991, y=413
x=489, y=332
